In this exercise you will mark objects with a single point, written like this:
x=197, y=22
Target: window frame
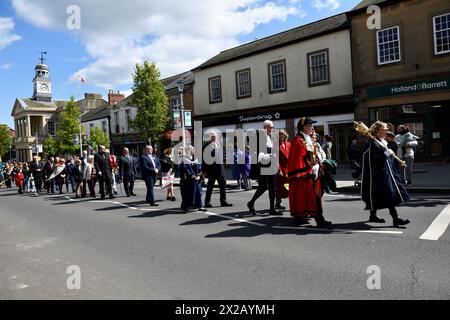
x=220, y=89
x=315, y=53
x=269, y=66
x=105, y=128
x=249, y=95
x=399, y=46
x=128, y=119
x=175, y=107
x=116, y=122
x=434, y=34
x=48, y=127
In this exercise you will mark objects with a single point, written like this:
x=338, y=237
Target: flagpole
x=78, y=87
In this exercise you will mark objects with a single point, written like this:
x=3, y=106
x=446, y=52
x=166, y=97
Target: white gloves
x=156, y=171
x=389, y=152
x=316, y=171
x=264, y=158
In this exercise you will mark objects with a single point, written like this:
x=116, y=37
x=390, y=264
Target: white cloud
x=5, y=66
x=326, y=4
x=7, y=35
x=176, y=34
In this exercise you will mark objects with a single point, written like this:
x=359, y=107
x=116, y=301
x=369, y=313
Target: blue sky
x=113, y=37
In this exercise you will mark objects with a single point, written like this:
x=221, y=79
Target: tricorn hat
x=304, y=121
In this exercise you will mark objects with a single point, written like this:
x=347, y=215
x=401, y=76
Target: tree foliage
x=150, y=98
x=51, y=146
x=69, y=126
x=5, y=140
x=98, y=137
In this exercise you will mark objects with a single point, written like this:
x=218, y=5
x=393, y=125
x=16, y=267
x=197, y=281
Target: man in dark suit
x=37, y=169
x=214, y=170
x=48, y=170
x=84, y=161
x=127, y=171
x=101, y=163
x=150, y=166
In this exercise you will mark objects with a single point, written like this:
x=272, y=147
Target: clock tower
x=42, y=83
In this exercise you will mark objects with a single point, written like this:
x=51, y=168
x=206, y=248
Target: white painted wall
x=122, y=119
x=327, y=120
x=337, y=43
x=96, y=124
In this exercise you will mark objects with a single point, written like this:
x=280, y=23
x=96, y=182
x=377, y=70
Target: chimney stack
x=114, y=97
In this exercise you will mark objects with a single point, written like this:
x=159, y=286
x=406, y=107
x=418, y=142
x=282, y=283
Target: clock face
x=44, y=87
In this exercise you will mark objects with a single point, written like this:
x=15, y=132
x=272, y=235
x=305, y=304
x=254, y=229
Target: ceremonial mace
x=361, y=128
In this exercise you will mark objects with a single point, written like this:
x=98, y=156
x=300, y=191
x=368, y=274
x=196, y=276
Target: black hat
x=304, y=121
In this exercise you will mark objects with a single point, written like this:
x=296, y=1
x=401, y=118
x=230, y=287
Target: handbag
x=167, y=179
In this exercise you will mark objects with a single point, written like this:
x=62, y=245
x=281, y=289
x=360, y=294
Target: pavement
x=428, y=178
x=124, y=249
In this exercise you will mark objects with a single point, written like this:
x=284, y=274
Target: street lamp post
x=180, y=90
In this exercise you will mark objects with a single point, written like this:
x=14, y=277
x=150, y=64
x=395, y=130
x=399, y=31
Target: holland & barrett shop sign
x=409, y=88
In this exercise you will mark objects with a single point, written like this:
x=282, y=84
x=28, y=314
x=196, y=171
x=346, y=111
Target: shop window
x=243, y=84
x=215, y=90
x=51, y=128
x=176, y=104
x=277, y=76
x=441, y=34
x=318, y=72
x=388, y=45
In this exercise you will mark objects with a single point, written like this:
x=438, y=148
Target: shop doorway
x=342, y=135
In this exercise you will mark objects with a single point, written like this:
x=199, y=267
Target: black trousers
x=50, y=186
x=128, y=184
x=38, y=182
x=83, y=193
x=105, y=183
x=150, y=184
x=265, y=183
x=209, y=189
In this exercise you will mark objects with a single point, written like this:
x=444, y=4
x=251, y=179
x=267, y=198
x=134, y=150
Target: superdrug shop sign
x=259, y=117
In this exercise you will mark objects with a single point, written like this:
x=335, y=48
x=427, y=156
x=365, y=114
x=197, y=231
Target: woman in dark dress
x=381, y=186
x=190, y=181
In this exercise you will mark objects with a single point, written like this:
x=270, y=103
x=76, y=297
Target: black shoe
x=133, y=194
x=112, y=197
x=324, y=224
x=173, y=199
x=251, y=208
x=274, y=212
x=280, y=207
x=376, y=219
x=208, y=205
x=154, y=205
x=102, y=198
x=298, y=221
x=226, y=204
x=202, y=209
x=400, y=222
x=128, y=195
x=185, y=209
x=168, y=198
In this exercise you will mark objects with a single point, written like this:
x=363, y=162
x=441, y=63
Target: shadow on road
x=159, y=213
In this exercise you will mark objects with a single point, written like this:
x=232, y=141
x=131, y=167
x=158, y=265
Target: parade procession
x=302, y=166
x=249, y=150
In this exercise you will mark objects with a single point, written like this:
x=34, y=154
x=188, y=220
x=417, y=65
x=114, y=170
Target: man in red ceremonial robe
x=282, y=177
x=305, y=196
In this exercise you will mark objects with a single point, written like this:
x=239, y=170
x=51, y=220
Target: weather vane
x=42, y=56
